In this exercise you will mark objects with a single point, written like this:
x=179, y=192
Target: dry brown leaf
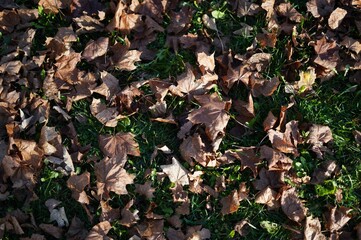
x=95, y=49
x=99, y=231
x=276, y=160
x=180, y=21
x=107, y=116
x=178, y=193
x=193, y=148
x=292, y=205
x=286, y=142
x=320, y=8
x=145, y=189
x=318, y=136
x=111, y=177
x=313, y=229
x=198, y=233
x=230, y=203
x=336, y=17
x=325, y=171
x=248, y=158
x=173, y=234
x=213, y=113
x=53, y=5
x=242, y=228
x=50, y=229
x=205, y=60
x=337, y=217
x=118, y=146
x=108, y=213
x=176, y=172
x=245, y=7
x=327, y=53
x=269, y=197
x=129, y=218
x=273, y=179
x=357, y=135
x=77, y=184
x=288, y=11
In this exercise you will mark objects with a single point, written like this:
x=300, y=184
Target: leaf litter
x=89, y=59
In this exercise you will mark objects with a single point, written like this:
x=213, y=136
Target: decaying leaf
x=313, y=229
x=111, y=177
x=77, y=185
x=176, y=172
x=230, y=203
x=292, y=205
x=119, y=146
x=145, y=189
x=336, y=17
x=337, y=217
x=269, y=197
x=129, y=218
x=318, y=136
x=100, y=231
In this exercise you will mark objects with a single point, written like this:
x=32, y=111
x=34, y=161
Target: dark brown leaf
x=318, y=136
x=320, y=8
x=77, y=184
x=337, y=217
x=145, y=189
x=100, y=231
x=292, y=205
x=95, y=49
x=313, y=229
x=129, y=218
x=111, y=177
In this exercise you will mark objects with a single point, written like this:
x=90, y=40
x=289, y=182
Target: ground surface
x=180, y=119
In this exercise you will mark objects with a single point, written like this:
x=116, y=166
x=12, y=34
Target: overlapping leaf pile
x=39, y=87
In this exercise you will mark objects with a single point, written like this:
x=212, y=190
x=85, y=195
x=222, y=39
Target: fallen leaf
x=99, y=231
x=77, y=183
x=111, y=177
x=209, y=22
x=118, y=146
x=327, y=53
x=337, y=217
x=351, y=44
x=230, y=203
x=307, y=79
x=324, y=172
x=95, y=49
x=286, y=142
x=76, y=230
x=176, y=172
x=357, y=135
x=317, y=137
x=336, y=18
x=268, y=197
x=59, y=216
x=288, y=11
x=145, y=189
x=320, y=8
x=242, y=228
x=248, y=158
x=292, y=205
x=50, y=229
x=213, y=113
x=129, y=218
x=313, y=229
x=276, y=160
x=107, y=116
x=110, y=86
x=198, y=233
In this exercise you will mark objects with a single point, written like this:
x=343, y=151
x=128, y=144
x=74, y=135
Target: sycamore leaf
x=118, y=146
x=248, y=158
x=318, y=136
x=111, y=177
x=145, y=189
x=287, y=10
x=129, y=218
x=313, y=229
x=277, y=161
x=76, y=230
x=230, y=203
x=193, y=148
x=320, y=8
x=337, y=217
x=95, y=49
x=213, y=113
x=77, y=183
x=336, y=18
x=107, y=116
x=100, y=231
x=176, y=172
x=268, y=197
x=292, y=205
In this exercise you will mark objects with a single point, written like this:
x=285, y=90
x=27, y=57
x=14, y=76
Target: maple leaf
x=287, y=10
x=336, y=18
x=193, y=148
x=325, y=171
x=245, y=7
x=176, y=172
x=145, y=189
x=95, y=49
x=129, y=218
x=111, y=177
x=76, y=230
x=318, y=136
x=213, y=113
x=292, y=205
x=273, y=179
x=313, y=229
x=320, y=8
x=180, y=21
x=337, y=217
x=53, y=5
x=276, y=160
x=108, y=213
x=230, y=203
x=107, y=116
x=269, y=197
x=327, y=53
x=100, y=231
x=118, y=146
x=123, y=58
x=286, y=142
x=248, y=158
x=77, y=184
